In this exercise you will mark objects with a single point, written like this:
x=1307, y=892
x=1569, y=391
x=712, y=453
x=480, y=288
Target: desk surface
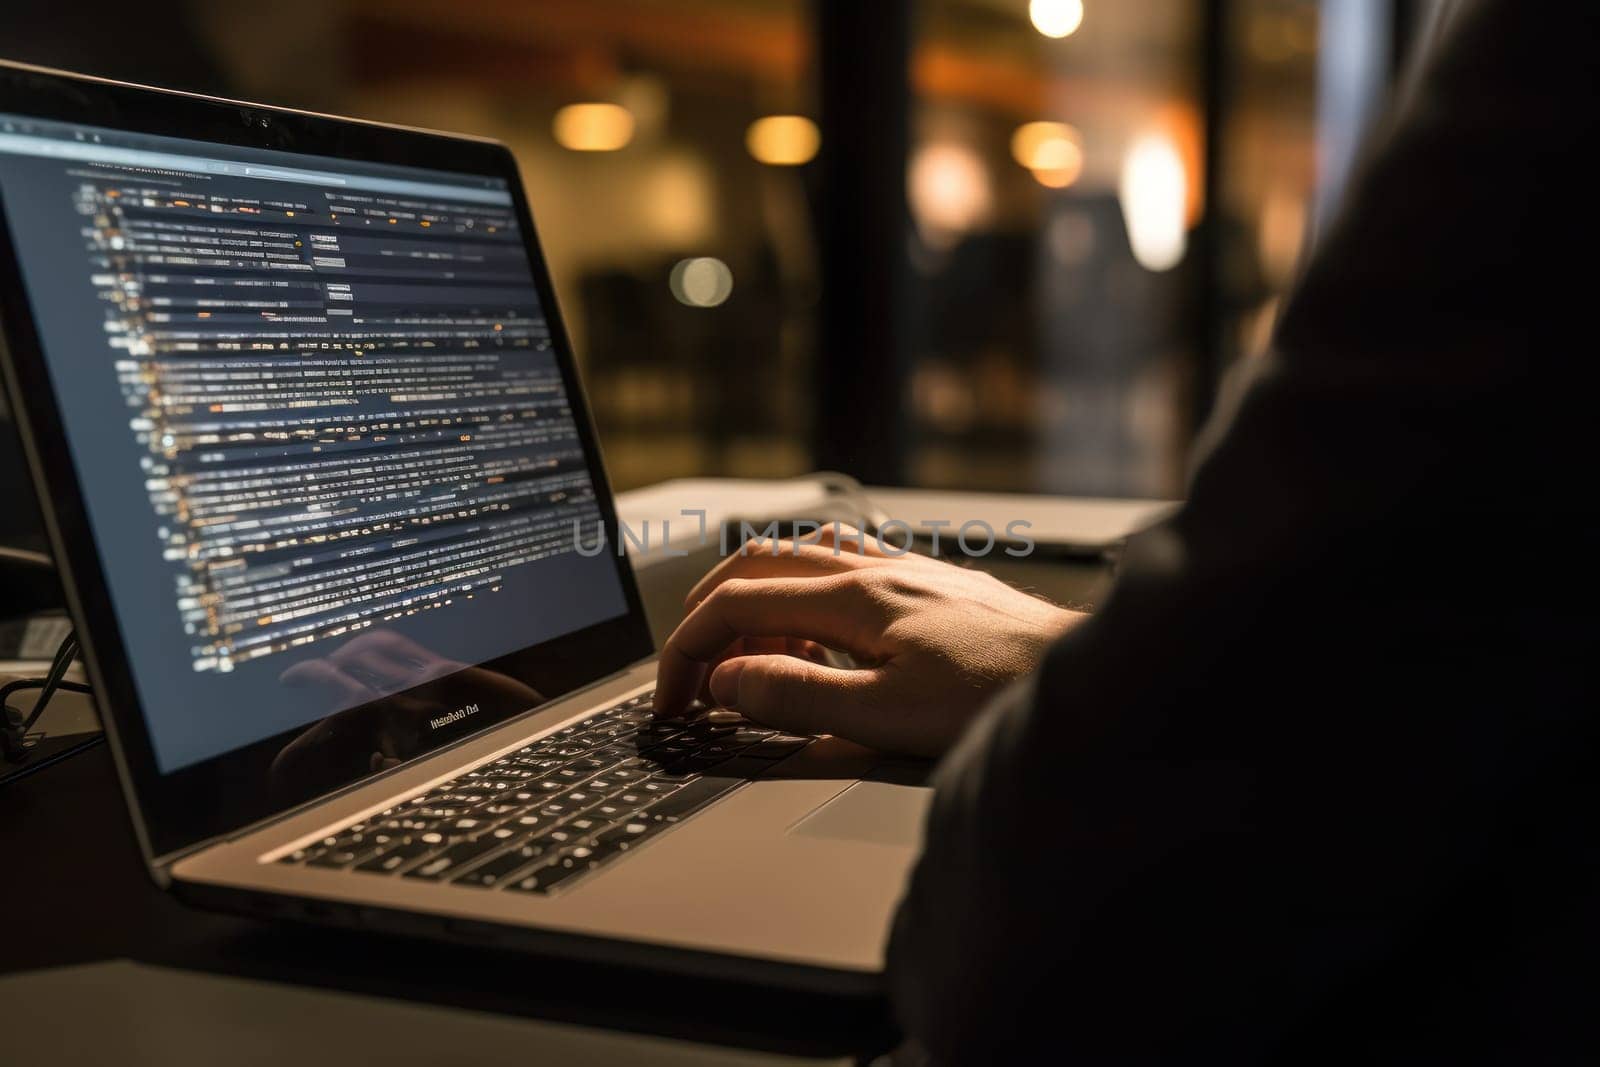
x=164, y=1017
x=75, y=891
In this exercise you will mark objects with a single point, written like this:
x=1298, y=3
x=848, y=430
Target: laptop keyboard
x=567, y=804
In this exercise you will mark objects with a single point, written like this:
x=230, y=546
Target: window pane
x=684, y=263
x=1053, y=184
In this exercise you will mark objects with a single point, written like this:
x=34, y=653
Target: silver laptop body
x=341, y=555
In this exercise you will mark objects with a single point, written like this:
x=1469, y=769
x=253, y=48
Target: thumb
x=795, y=694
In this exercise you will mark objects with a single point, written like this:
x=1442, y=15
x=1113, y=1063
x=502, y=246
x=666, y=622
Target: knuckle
x=815, y=556
x=889, y=589
x=757, y=546
x=730, y=590
x=875, y=586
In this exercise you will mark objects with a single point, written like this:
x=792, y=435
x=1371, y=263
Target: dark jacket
x=1321, y=781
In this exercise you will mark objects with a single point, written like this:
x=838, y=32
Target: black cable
x=22, y=684
x=14, y=737
x=53, y=678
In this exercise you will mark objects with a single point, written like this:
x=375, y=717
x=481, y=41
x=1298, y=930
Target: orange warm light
x=1052, y=151
x=593, y=127
x=783, y=140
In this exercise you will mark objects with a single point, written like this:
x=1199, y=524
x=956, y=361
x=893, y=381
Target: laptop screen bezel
x=193, y=804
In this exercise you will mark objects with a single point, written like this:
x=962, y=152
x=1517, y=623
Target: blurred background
x=979, y=244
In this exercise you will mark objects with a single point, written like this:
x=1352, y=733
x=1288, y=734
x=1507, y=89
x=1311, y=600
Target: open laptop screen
x=325, y=446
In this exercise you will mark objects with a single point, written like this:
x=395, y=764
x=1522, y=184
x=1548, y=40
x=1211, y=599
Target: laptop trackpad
x=874, y=812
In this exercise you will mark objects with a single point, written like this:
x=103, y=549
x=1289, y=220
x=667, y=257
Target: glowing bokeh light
x=1053, y=151
x=949, y=190
x=1153, y=192
x=1056, y=18
x=702, y=282
x=783, y=140
x=593, y=127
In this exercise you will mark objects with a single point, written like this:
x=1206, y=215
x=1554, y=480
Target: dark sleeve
x=1330, y=704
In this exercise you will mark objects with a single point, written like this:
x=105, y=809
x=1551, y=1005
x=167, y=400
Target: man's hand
x=934, y=642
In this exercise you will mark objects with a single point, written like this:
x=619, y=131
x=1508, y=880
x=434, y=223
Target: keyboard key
x=741, y=767
x=497, y=809
x=545, y=878
x=585, y=825
x=540, y=764
x=457, y=855
x=778, y=747
x=465, y=797
x=704, y=731
x=690, y=766
x=569, y=775
x=453, y=812
x=613, y=809
x=627, y=834
x=677, y=722
x=341, y=856
x=651, y=738
x=512, y=775
x=392, y=859
x=571, y=803
x=691, y=798
x=560, y=837
x=590, y=855
x=300, y=855
x=346, y=854
x=495, y=871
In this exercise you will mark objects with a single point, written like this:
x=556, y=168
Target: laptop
x=342, y=557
